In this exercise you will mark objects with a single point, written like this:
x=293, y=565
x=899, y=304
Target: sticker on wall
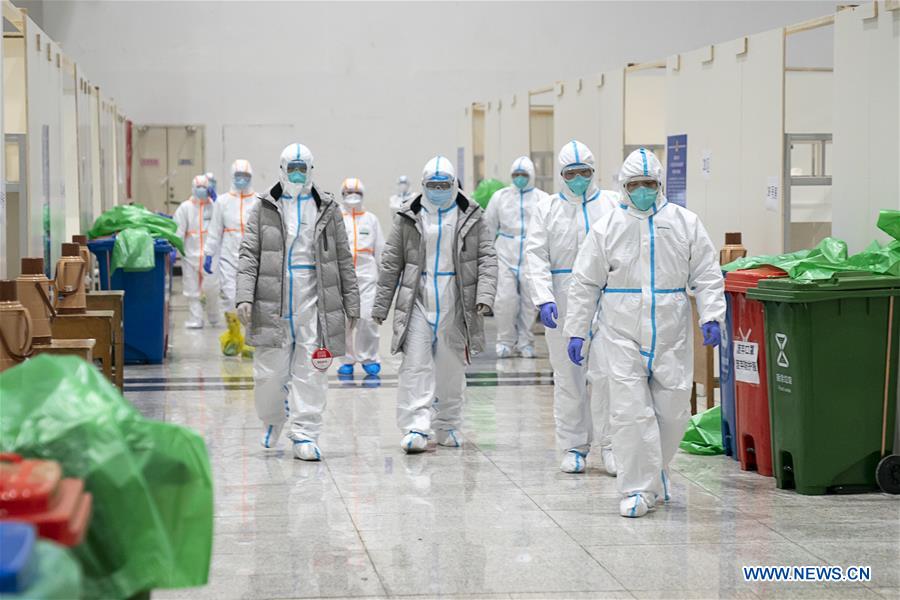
x=149, y=162
x=705, y=164
x=772, y=193
x=676, y=169
x=185, y=162
x=746, y=362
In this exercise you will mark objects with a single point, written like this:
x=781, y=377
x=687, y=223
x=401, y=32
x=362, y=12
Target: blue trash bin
x=726, y=386
x=146, y=310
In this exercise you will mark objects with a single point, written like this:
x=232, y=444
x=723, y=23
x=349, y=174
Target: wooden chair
x=93, y=324
x=82, y=348
x=113, y=300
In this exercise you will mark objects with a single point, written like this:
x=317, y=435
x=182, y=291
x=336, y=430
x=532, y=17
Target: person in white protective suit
x=193, y=218
x=640, y=261
x=507, y=216
x=366, y=244
x=557, y=229
x=403, y=194
x=296, y=288
x=226, y=231
x=439, y=263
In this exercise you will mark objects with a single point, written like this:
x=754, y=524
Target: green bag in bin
x=704, y=433
x=485, y=190
x=135, y=216
x=152, y=521
x=133, y=251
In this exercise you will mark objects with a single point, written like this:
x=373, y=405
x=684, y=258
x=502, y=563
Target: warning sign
x=746, y=362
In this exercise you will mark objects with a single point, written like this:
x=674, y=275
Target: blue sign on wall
x=676, y=169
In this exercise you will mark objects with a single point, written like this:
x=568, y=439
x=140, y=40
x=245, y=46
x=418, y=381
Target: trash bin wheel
x=888, y=474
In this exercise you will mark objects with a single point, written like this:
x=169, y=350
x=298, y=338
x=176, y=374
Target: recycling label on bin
x=746, y=362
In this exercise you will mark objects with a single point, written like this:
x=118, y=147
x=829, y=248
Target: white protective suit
x=432, y=378
x=227, y=231
x=287, y=384
x=403, y=194
x=639, y=265
x=508, y=215
x=556, y=232
x=193, y=218
x=366, y=243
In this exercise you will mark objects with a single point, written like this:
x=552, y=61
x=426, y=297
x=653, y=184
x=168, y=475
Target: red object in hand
x=34, y=491
x=321, y=358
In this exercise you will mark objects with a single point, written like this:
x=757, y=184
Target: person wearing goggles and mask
x=296, y=289
x=193, y=218
x=439, y=263
x=507, y=216
x=366, y=244
x=639, y=262
x=556, y=232
x=403, y=194
x=230, y=214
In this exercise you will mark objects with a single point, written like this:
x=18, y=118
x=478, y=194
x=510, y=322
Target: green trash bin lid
x=852, y=284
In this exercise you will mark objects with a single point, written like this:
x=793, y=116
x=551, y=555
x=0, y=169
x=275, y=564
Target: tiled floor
x=495, y=519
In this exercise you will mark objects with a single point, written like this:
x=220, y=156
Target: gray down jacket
x=261, y=268
x=474, y=262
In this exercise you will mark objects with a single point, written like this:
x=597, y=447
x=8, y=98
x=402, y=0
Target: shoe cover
x=372, y=368
x=527, y=352
x=449, y=438
x=503, y=351
x=345, y=370
x=573, y=462
x=414, y=442
x=664, y=475
x=193, y=324
x=633, y=506
x=609, y=461
x=270, y=437
x=306, y=450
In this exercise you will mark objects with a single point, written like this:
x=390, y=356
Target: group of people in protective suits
x=608, y=273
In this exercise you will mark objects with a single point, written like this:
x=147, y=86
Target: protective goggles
x=297, y=166
x=241, y=175
x=520, y=174
x=570, y=173
x=438, y=185
x=645, y=182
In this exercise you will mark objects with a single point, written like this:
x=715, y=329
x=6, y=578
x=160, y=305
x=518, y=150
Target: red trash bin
x=751, y=392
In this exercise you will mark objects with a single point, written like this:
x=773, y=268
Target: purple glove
x=575, y=345
x=548, y=314
x=712, y=334
x=207, y=265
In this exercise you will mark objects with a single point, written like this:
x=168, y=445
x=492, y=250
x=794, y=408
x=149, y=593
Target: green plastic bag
x=127, y=216
x=152, y=521
x=133, y=251
x=57, y=574
x=704, y=433
x=485, y=190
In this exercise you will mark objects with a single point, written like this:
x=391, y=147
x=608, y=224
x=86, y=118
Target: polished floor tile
x=495, y=519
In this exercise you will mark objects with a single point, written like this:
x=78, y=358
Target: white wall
x=374, y=88
x=866, y=167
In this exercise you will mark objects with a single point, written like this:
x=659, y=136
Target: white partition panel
x=492, y=152
x=514, y=131
x=121, y=160
x=645, y=107
x=865, y=172
x=46, y=204
x=465, y=150
x=70, y=148
x=94, y=149
x=611, y=96
x=728, y=99
x=107, y=153
x=576, y=113
x=88, y=199
x=3, y=257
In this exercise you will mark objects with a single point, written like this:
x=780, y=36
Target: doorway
x=166, y=158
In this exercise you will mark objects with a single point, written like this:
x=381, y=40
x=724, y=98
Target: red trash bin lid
x=26, y=486
x=745, y=279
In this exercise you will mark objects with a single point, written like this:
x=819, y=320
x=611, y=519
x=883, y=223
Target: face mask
x=439, y=198
x=403, y=188
x=520, y=181
x=241, y=183
x=201, y=193
x=578, y=184
x=353, y=200
x=643, y=198
x=297, y=177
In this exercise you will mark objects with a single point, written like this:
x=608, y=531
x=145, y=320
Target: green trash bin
x=832, y=372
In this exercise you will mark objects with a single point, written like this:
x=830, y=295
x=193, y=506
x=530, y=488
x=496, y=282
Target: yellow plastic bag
x=232, y=341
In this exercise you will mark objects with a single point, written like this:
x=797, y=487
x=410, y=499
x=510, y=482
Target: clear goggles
x=520, y=174
x=439, y=184
x=571, y=172
x=645, y=182
x=297, y=166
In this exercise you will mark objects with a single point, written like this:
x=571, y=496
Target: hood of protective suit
x=241, y=166
x=352, y=192
x=523, y=163
x=440, y=167
x=199, y=181
x=574, y=152
x=292, y=153
x=641, y=164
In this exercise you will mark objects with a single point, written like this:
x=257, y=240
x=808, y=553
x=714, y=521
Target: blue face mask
x=579, y=184
x=201, y=193
x=241, y=183
x=439, y=198
x=297, y=177
x=643, y=198
x=520, y=181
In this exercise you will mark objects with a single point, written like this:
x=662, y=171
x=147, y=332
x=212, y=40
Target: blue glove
x=173, y=256
x=575, y=345
x=212, y=194
x=548, y=313
x=712, y=334
x=207, y=265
